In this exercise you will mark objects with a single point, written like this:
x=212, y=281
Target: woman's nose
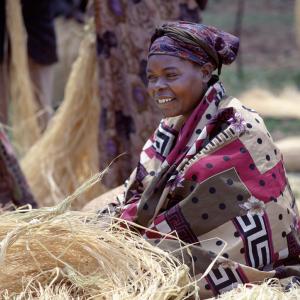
x=160, y=84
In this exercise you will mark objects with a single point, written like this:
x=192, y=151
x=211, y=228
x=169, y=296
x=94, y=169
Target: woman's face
x=175, y=84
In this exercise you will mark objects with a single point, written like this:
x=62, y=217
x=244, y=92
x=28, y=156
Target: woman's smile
x=165, y=100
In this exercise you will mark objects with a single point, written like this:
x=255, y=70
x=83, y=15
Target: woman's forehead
x=164, y=62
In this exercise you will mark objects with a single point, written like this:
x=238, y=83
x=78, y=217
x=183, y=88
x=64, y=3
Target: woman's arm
x=105, y=199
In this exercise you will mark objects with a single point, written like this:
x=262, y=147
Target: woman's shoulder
x=255, y=136
x=250, y=118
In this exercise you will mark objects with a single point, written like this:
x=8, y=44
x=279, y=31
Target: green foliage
x=286, y=126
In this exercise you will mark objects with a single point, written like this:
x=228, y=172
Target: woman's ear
x=207, y=70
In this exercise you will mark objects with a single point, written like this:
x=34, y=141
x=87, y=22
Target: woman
x=211, y=173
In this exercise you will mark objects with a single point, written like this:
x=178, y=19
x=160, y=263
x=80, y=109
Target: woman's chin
x=173, y=114
x=170, y=115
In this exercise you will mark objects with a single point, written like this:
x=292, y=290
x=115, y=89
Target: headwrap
x=195, y=42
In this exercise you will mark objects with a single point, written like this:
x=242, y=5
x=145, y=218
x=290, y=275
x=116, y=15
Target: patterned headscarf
x=195, y=42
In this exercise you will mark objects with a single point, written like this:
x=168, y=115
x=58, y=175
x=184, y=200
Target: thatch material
x=284, y=105
x=90, y=257
x=24, y=119
x=38, y=292
x=69, y=34
x=270, y=290
x=67, y=153
x=290, y=148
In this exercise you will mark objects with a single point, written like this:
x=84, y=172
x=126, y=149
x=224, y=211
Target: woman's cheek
x=150, y=90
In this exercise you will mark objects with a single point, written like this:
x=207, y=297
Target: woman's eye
x=151, y=77
x=172, y=75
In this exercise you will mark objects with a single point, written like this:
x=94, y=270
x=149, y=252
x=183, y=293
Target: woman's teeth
x=164, y=100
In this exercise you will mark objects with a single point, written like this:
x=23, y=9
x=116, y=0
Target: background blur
x=268, y=55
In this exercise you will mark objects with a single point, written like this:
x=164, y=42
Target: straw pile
x=284, y=105
x=67, y=153
x=270, y=290
x=24, y=119
x=59, y=292
x=75, y=254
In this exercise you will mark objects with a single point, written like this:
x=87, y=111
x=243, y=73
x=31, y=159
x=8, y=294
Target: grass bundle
x=69, y=34
x=38, y=292
x=270, y=105
x=53, y=251
x=24, y=108
x=269, y=290
x=67, y=153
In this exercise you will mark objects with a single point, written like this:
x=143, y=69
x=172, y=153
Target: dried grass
x=270, y=290
x=284, y=105
x=24, y=116
x=69, y=35
x=67, y=153
x=38, y=292
x=53, y=251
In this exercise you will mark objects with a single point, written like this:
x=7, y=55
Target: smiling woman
x=176, y=85
x=210, y=173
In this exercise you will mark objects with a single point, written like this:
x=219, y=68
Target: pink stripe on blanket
x=187, y=131
x=265, y=187
x=129, y=212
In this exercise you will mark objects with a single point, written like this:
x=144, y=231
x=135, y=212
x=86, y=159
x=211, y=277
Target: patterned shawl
x=217, y=176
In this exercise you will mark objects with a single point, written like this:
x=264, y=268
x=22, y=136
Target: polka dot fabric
x=218, y=183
